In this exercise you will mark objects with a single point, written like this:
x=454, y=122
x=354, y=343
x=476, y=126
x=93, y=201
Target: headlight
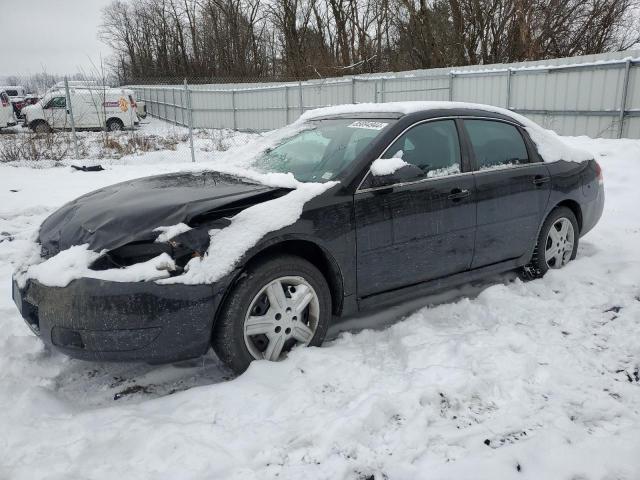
x=130, y=255
x=181, y=248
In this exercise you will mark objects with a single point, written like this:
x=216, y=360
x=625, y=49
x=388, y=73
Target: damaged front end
x=112, y=311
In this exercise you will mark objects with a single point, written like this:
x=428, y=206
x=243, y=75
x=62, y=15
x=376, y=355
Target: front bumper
x=114, y=321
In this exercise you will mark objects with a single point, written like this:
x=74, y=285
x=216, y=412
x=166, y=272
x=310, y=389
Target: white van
x=113, y=109
x=7, y=119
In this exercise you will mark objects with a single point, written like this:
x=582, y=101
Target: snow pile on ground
x=496, y=380
x=550, y=145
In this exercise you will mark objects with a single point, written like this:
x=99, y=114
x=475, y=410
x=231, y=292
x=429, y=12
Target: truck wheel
x=557, y=244
x=277, y=304
x=115, y=125
x=41, y=127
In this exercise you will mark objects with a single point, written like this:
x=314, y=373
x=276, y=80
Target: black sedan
x=422, y=201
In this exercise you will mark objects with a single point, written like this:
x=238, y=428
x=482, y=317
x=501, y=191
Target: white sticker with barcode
x=368, y=125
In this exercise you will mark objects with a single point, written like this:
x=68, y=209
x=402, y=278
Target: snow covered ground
x=499, y=379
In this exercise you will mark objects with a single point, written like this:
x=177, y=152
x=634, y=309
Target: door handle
x=540, y=180
x=458, y=194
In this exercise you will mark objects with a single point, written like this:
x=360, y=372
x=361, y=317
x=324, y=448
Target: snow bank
x=550, y=145
x=496, y=380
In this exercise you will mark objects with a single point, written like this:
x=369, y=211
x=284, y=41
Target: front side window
x=496, y=144
x=433, y=147
x=323, y=150
x=57, y=102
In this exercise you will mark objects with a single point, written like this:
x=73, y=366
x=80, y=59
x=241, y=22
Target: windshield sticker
x=368, y=125
x=327, y=175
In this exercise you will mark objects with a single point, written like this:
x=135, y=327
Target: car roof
x=395, y=110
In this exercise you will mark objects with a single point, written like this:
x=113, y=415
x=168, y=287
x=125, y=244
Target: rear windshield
x=12, y=93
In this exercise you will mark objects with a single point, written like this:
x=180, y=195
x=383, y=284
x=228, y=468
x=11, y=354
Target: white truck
x=141, y=109
x=7, y=118
x=93, y=109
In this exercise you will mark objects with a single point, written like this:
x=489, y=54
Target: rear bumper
x=113, y=321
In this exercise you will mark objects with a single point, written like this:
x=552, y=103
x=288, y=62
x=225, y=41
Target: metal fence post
x=190, y=120
x=73, y=123
x=509, y=74
x=353, y=89
x=235, y=111
x=623, y=100
x=175, y=108
x=383, y=86
x=301, y=100
x=286, y=104
x=375, y=91
x=451, y=77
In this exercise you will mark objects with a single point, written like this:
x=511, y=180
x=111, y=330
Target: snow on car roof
x=550, y=146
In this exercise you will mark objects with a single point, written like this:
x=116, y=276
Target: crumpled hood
x=126, y=212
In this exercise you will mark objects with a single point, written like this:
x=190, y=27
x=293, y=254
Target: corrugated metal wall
x=595, y=95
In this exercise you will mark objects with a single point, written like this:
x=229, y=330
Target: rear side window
x=431, y=146
x=496, y=144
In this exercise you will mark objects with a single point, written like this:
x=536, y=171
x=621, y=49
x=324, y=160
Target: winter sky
x=56, y=36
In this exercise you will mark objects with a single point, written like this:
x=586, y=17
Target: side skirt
x=411, y=292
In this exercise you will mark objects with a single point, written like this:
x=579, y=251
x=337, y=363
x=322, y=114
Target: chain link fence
x=597, y=95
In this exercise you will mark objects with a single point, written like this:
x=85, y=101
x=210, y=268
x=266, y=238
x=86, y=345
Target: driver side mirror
x=389, y=171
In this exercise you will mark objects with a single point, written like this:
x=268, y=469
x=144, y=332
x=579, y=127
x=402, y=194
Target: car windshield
x=323, y=150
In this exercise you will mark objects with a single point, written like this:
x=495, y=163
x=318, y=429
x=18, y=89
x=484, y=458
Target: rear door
x=412, y=232
x=512, y=189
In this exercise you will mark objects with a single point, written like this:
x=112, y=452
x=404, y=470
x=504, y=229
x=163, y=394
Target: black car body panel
x=147, y=203
x=375, y=245
x=95, y=319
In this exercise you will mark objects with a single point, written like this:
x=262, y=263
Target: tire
x=239, y=338
x=115, y=125
x=563, y=247
x=41, y=127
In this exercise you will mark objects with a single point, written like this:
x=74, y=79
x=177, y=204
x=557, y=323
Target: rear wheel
x=115, y=125
x=557, y=244
x=277, y=304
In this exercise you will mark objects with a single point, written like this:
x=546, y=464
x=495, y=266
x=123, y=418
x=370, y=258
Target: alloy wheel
x=284, y=313
x=559, y=245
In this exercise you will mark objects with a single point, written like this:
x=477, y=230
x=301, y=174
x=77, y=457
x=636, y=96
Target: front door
x=55, y=113
x=421, y=230
x=512, y=190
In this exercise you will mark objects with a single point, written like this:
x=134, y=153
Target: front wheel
x=41, y=127
x=277, y=304
x=557, y=244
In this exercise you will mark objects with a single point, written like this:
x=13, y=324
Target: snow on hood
x=550, y=146
x=247, y=228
